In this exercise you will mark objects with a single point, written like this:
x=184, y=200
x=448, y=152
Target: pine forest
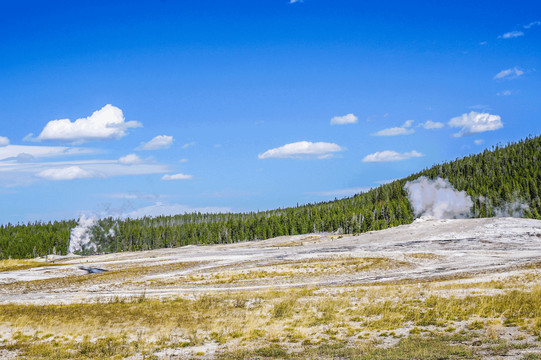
x=494, y=179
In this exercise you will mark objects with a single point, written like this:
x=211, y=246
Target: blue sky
x=132, y=108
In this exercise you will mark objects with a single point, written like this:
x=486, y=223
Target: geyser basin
x=423, y=250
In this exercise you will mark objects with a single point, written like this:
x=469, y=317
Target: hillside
x=496, y=179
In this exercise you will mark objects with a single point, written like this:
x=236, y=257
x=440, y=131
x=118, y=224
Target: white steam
x=514, y=208
x=438, y=199
x=80, y=235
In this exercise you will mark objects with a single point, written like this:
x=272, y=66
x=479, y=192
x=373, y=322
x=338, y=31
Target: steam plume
x=438, y=199
x=80, y=235
x=514, y=208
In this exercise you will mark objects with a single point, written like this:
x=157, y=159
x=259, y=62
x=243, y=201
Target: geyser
x=438, y=199
x=80, y=236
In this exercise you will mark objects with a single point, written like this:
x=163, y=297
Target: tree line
x=494, y=179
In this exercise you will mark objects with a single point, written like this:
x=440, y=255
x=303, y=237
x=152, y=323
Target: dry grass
x=307, y=319
x=13, y=265
x=309, y=268
x=425, y=256
x=422, y=319
x=409, y=348
x=124, y=275
x=303, y=241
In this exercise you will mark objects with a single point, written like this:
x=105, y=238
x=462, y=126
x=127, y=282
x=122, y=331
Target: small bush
x=284, y=308
x=271, y=351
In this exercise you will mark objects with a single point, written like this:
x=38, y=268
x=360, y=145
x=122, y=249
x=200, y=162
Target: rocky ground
x=443, y=259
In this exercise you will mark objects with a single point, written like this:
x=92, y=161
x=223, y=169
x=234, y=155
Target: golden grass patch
x=17, y=264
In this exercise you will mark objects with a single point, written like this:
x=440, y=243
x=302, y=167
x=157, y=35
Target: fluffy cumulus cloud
x=389, y=155
x=430, y=125
x=130, y=159
x=158, y=142
x=178, y=176
x=4, y=141
x=67, y=173
x=511, y=73
x=475, y=123
x=342, y=120
x=108, y=123
x=405, y=129
x=303, y=149
x=511, y=34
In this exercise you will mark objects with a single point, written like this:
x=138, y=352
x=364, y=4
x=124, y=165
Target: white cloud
x=511, y=34
x=532, y=24
x=105, y=124
x=134, y=195
x=474, y=123
x=405, y=129
x=295, y=1
x=19, y=173
x=302, y=149
x=509, y=73
x=504, y=93
x=178, y=176
x=226, y=194
x=68, y=173
x=4, y=141
x=342, y=120
x=383, y=182
x=130, y=159
x=429, y=125
x=343, y=192
x=389, y=155
x=479, y=142
x=160, y=208
x=190, y=144
x=158, y=142
x=13, y=152
x=482, y=43
x=517, y=33
x=480, y=107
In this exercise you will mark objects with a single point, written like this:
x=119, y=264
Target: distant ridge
x=492, y=178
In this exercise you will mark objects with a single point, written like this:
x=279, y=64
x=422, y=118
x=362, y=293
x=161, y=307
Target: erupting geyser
x=80, y=236
x=438, y=199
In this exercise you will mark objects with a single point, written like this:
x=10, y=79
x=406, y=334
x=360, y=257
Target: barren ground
x=453, y=263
